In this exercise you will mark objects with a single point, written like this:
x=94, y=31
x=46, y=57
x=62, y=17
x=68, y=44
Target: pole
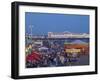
x=31, y=26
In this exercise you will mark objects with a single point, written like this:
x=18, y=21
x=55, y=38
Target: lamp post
x=31, y=27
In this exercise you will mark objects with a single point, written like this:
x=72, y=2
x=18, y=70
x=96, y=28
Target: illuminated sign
x=73, y=50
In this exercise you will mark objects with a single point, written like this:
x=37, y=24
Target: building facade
x=67, y=35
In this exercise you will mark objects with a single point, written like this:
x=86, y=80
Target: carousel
x=76, y=48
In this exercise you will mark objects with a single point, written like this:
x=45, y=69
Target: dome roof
x=78, y=42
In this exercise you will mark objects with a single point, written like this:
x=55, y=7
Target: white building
x=67, y=35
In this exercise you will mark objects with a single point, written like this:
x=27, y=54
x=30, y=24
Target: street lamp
x=31, y=26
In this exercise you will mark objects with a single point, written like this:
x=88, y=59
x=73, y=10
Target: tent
x=33, y=56
x=43, y=48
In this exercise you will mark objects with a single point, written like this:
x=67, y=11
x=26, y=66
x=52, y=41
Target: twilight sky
x=46, y=22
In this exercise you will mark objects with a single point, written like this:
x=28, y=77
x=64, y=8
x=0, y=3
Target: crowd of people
x=53, y=55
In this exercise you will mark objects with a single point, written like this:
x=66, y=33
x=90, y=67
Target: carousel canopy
x=78, y=42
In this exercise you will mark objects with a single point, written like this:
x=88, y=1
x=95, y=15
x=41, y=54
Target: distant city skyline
x=42, y=23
